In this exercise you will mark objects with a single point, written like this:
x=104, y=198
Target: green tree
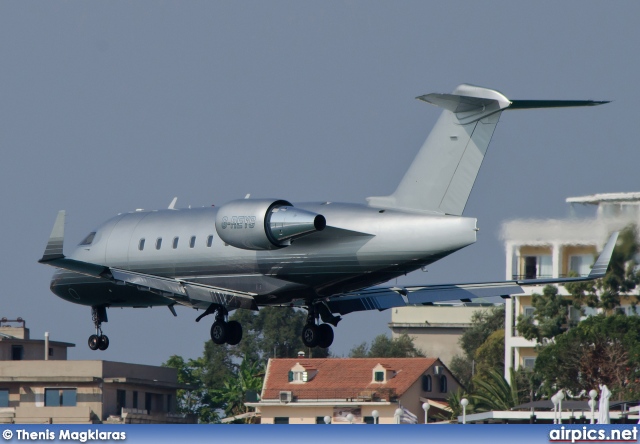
x=493, y=392
x=205, y=374
x=483, y=324
x=620, y=281
x=273, y=332
x=599, y=350
x=384, y=347
x=232, y=395
x=551, y=316
x=490, y=355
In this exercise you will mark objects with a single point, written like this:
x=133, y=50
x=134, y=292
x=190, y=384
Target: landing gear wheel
x=325, y=336
x=103, y=342
x=235, y=333
x=219, y=332
x=94, y=342
x=310, y=335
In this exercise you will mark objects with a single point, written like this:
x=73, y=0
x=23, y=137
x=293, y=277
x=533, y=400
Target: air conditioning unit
x=438, y=370
x=285, y=397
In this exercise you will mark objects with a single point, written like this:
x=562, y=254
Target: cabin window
x=141, y=244
x=210, y=240
x=175, y=242
x=192, y=242
x=87, y=240
x=158, y=243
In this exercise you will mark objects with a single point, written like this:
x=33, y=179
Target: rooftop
x=345, y=377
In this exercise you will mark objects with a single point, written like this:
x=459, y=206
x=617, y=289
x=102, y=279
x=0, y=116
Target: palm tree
x=249, y=378
x=493, y=392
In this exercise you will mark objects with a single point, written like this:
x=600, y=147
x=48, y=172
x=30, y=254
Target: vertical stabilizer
x=442, y=175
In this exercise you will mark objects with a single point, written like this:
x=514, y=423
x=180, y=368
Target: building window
x=210, y=240
x=17, y=352
x=141, y=244
x=158, y=243
x=121, y=400
x=528, y=311
x=55, y=397
x=379, y=376
x=4, y=398
x=581, y=264
x=135, y=399
x=281, y=420
x=50, y=351
x=443, y=384
x=147, y=402
x=192, y=242
x=538, y=267
x=175, y=242
x=320, y=420
x=426, y=383
x=169, y=402
x=369, y=420
x=529, y=363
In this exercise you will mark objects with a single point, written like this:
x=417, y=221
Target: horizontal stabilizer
x=531, y=104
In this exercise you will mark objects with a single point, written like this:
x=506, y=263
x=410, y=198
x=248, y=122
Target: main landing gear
x=314, y=335
x=98, y=340
x=223, y=331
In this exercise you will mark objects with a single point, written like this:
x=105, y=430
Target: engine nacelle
x=264, y=224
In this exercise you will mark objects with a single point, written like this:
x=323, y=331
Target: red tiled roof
x=344, y=377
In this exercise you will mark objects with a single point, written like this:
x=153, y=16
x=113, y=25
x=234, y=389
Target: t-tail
x=442, y=175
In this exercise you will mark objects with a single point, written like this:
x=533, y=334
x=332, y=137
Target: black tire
x=325, y=336
x=94, y=342
x=310, y=335
x=219, y=332
x=235, y=333
x=103, y=342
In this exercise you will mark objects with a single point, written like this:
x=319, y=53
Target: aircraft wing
x=382, y=298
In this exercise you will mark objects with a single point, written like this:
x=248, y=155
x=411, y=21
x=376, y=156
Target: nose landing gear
x=98, y=340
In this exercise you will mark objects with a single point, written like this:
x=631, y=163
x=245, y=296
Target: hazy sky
x=110, y=106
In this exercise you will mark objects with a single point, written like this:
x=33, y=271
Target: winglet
x=56, y=240
x=602, y=263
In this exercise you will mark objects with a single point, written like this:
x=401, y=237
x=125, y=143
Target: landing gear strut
x=223, y=331
x=98, y=340
x=314, y=335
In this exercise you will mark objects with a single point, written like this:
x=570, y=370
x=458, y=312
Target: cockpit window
x=87, y=240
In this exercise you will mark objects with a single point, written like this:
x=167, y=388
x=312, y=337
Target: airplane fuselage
x=361, y=246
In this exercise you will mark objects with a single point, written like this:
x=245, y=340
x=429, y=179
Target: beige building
x=435, y=329
x=555, y=248
x=35, y=390
x=305, y=391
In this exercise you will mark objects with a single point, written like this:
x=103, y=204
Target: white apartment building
x=554, y=248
